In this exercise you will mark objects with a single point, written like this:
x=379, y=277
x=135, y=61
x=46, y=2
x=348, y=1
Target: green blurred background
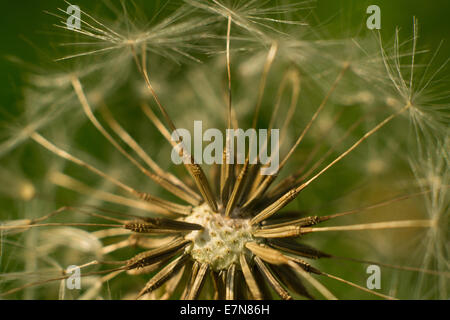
x=27, y=31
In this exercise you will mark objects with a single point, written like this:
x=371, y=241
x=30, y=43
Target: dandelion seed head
x=221, y=241
x=230, y=223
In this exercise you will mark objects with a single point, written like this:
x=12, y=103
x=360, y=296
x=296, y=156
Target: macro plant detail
x=227, y=231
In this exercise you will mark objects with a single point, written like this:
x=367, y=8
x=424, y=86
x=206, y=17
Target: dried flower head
x=224, y=233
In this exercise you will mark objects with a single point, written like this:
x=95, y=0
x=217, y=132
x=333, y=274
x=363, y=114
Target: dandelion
x=230, y=232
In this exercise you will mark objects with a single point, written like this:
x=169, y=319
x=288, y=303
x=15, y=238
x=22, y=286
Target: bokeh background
x=28, y=33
